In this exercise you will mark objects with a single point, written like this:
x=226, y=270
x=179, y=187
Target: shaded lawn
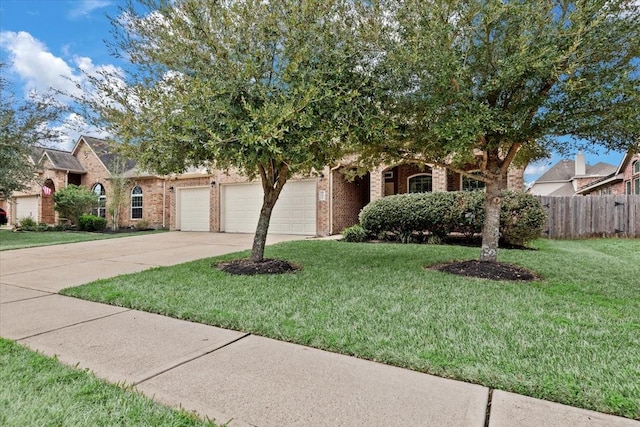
x=27, y=239
x=572, y=337
x=39, y=391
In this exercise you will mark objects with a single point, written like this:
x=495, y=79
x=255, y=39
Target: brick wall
x=349, y=197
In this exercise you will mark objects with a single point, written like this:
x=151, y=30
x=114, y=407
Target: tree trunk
x=491, y=226
x=273, y=179
x=260, y=238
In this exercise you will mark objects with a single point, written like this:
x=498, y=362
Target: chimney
x=581, y=167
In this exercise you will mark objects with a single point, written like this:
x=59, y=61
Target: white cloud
x=38, y=68
x=85, y=7
x=72, y=127
x=41, y=71
x=536, y=169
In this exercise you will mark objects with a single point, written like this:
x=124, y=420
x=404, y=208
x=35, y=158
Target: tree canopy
x=269, y=88
x=24, y=125
x=488, y=84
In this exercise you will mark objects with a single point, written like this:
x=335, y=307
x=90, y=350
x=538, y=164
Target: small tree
x=271, y=88
x=23, y=126
x=74, y=201
x=496, y=83
x=117, y=193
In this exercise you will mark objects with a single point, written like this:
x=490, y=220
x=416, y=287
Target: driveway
x=52, y=268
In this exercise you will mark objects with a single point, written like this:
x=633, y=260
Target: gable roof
x=561, y=171
x=105, y=151
x=62, y=160
x=565, y=170
x=627, y=158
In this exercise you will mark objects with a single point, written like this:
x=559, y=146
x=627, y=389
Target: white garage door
x=294, y=213
x=194, y=207
x=27, y=207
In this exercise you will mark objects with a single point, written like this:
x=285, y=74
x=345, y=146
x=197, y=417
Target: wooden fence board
x=591, y=216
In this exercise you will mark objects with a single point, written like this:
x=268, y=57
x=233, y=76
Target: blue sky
x=47, y=41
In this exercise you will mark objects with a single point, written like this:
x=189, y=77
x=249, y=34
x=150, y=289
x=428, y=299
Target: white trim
x=420, y=174
x=131, y=207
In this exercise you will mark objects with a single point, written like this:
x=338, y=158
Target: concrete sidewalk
x=229, y=375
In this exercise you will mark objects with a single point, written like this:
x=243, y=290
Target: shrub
x=142, y=224
x=91, y=223
x=410, y=217
x=405, y=215
x=521, y=219
x=73, y=201
x=43, y=227
x=28, y=224
x=355, y=233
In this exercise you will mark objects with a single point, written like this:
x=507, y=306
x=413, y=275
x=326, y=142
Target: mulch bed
x=249, y=268
x=487, y=270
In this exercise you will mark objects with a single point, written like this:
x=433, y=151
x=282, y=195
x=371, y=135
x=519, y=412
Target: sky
x=46, y=42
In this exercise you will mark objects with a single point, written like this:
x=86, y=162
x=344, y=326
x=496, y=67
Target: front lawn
x=39, y=391
x=572, y=337
x=27, y=239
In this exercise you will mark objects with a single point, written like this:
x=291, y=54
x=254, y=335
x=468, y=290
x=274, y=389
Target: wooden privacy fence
x=591, y=216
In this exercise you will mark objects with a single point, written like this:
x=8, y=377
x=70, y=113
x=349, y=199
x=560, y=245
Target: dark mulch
x=249, y=268
x=487, y=270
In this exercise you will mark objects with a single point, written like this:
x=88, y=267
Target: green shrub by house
x=91, y=223
x=355, y=233
x=411, y=217
x=73, y=201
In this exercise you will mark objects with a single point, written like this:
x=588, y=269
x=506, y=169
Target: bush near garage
x=432, y=216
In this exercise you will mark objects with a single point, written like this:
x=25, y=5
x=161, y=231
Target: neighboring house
x=90, y=164
x=214, y=200
x=624, y=180
x=567, y=177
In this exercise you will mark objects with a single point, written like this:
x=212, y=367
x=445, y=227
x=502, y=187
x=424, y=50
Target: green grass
x=39, y=391
x=27, y=239
x=572, y=337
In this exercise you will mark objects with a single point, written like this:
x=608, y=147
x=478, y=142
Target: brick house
x=321, y=205
x=218, y=201
x=90, y=164
x=566, y=177
x=624, y=180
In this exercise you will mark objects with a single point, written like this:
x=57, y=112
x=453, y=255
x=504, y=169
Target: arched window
x=470, y=184
x=636, y=167
x=420, y=183
x=136, y=202
x=101, y=210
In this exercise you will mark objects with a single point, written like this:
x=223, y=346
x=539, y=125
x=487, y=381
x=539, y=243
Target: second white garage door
x=294, y=213
x=194, y=207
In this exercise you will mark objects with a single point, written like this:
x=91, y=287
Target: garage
x=194, y=209
x=294, y=213
x=27, y=207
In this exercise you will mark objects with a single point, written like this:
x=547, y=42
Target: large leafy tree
x=494, y=83
x=271, y=88
x=24, y=125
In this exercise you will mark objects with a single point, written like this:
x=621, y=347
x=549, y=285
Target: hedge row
x=404, y=216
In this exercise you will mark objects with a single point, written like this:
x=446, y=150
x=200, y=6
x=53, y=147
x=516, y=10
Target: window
x=422, y=183
x=470, y=184
x=136, y=202
x=627, y=187
x=636, y=184
x=636, y=167
x=102, y=201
